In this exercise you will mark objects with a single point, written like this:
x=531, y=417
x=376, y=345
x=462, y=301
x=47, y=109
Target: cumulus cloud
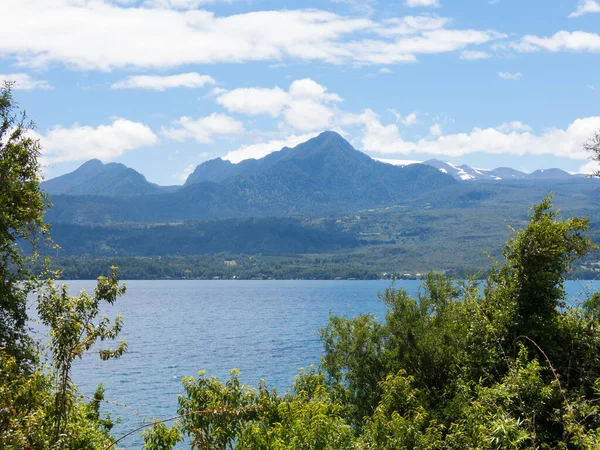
x=586, y=7
x=204, y=129
x=24, y=82
x=255, y=101
x=111, y=35
x=510, y=76
x=105, y=142
x=436, y=130
x=160, y=83
x=513, y=138
x=422, y=3
x=262, y=149
x=304, y=105
x=576, y=41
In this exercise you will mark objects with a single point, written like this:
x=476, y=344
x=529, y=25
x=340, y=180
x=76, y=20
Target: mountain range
x=324, y=175
x=466, y=173
x=96, y=178
x=320, y=209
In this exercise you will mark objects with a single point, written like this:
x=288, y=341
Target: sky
x=163, y=85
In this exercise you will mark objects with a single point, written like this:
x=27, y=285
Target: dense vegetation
x=504, y=363
x=389, y=242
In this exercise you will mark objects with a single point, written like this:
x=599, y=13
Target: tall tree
x=22, y=206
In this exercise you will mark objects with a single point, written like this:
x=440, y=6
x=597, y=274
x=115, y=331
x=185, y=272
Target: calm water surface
x=266, y=329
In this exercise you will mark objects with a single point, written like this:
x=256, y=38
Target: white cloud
x=303, y=106
x=204, y=129
x=385, y=70
x=307, y=115
x=590, y=167
x=407, y=121
x=398, y=162
x=175, y=4
x=422, y=3
x=410, y=120
x=160, y=83
x=24, y=82
x=307, y=88
x=514, y=138
x=254, y=101
x=106, y=36
x=510, y=76
x=404, y=48
x=472, y=55
x=586, y=7
x=577, y=41
x=507, y=127
x=262, y=149
x=105, y=142
x=408, y=25
x=436, y=130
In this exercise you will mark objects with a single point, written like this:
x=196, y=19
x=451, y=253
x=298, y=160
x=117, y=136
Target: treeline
x=227, y=266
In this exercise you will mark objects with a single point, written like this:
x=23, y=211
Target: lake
x=266, y=329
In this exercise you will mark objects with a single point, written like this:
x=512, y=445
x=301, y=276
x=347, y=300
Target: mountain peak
x=328, y=138
x=96, y=178
x=92, y=163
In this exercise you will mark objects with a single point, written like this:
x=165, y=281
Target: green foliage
x=498, y=364
x=538, y=259
x=226, y=416
x=28, y=413
x=22, y=206
x=73, y=330
x=41, y=409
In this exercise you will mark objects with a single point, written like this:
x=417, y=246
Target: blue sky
x=163, y=85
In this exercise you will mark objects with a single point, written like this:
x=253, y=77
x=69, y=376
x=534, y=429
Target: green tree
x=22, y=206
x=538, y=259
x=502, y=364
x=41, y=408
x=73, y=330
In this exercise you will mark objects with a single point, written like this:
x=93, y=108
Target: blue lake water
x=266, y=329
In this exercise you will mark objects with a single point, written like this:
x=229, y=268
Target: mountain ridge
x=96, y=178
x=321, y=176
